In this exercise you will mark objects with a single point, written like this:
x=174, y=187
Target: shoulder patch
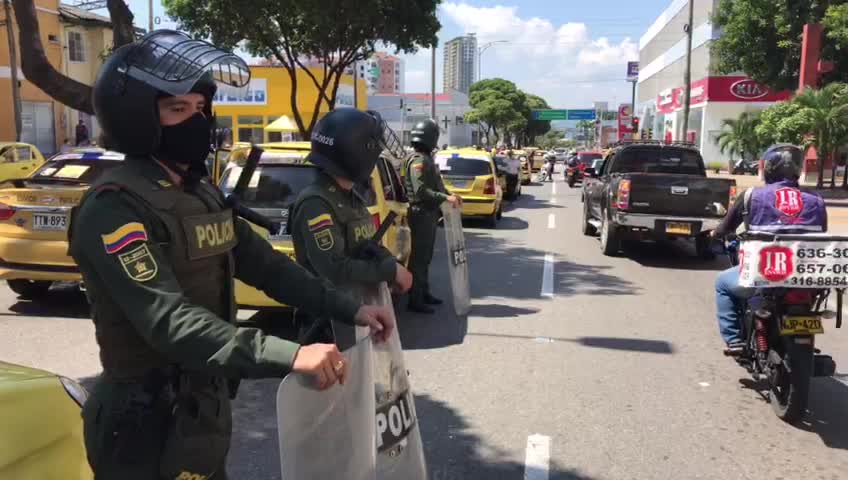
x=324, y=239
x=139, y=264
x=319, y=222
x=125, y=235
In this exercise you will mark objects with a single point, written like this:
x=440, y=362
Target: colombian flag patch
x=319, y=222
x=123, y=236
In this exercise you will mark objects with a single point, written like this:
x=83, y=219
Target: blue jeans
x=730, y=298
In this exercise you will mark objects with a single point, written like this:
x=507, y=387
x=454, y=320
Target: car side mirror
x=590, y=172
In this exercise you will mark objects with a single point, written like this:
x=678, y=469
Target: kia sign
x=632, y=71
x=748, y=89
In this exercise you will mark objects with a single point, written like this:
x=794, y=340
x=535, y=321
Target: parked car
x=282, y=173
x=654, y=191
x=41, y=437
x=34, y=218
x=18, y=159
x=472, y=175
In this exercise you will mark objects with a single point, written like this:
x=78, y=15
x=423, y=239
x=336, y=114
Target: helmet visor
x=172, y=62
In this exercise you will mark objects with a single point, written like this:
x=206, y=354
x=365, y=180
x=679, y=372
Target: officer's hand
x=381, y=319
x=403, y=279
x=455, y=201
x=323, y=361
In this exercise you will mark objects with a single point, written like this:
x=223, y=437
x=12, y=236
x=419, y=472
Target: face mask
x=186, y=143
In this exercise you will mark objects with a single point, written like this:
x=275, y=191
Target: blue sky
x=569, y=52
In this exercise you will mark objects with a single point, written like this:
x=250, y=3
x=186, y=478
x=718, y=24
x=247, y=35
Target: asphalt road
x=609, y=369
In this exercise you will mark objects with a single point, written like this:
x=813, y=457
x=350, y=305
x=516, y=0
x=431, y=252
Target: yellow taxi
x=41, y=437
x=536, y=158
x=472, y=175
x=524, y=171
x=34, y=217
x=18, y=160
x=282, y=173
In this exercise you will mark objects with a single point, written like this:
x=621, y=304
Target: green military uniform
x=427, y=193
x=158, y=262
x=329, y=227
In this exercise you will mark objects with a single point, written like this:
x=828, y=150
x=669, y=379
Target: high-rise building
x=460, y=60
x=383, y=74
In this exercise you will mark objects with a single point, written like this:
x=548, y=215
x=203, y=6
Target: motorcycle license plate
x=800, y=325
x=678, y=228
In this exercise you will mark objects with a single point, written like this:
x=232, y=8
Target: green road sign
x=586, y=114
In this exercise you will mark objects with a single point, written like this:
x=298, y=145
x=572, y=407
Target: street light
x=480, y=51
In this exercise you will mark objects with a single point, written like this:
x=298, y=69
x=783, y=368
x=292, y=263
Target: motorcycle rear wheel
x=790, y=395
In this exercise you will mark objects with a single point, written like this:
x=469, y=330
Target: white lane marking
x=537, y=458
x=704, y=384
x=548, y=276
x=553, y=188
x=551, y=221
x=553, y=199
x=543, y=340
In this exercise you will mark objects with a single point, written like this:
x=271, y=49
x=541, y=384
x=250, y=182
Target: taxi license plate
x=678, y=228
x=49, y=221
x=800, y=325
x=458, y=183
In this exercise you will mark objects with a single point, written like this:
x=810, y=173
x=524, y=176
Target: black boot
x=416, y=304
x=431, y=300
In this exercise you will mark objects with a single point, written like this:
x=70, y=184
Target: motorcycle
x=546, y=174
x=574, y=174
x=779, y=325
x=742, y=167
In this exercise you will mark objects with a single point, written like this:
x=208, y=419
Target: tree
x=37, y=68
x=297, y=33
x=497, y=104
x=824, y=115
x=552, y=139
x=781, y=123
x=739, y=137
x=588, y=127
x=535, y=128
x=763, y=39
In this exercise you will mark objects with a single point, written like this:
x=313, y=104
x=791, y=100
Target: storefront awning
x=282, y=124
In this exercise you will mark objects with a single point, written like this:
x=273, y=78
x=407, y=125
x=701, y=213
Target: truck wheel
x=703, y=248
x=29, y=289
x=610, y=241
x=588, y=228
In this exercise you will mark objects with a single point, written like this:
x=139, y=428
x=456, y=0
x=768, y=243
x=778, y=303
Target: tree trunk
x=820, y=159
x=37, y=68
x=832, y=172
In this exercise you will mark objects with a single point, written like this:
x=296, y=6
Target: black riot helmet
x=425, y=135
x=160, y=64
x=347, y=143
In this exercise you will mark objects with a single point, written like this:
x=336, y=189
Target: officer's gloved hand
x=379, y=318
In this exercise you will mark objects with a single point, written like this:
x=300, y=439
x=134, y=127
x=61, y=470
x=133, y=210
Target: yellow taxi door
x=16, y=161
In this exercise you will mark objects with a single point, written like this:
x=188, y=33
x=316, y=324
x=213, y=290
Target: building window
x=76, y=47
x=250, y=119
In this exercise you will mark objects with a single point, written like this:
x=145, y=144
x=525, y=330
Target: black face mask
x=186, y=143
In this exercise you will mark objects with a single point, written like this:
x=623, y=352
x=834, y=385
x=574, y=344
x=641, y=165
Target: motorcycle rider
x=777, y=207
x=550, y=161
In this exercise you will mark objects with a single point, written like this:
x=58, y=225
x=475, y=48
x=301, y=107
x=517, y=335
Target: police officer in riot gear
x=158, y=250
x=427, y=193
x=777, y=207
x=331, y=225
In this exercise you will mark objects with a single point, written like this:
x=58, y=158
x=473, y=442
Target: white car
x=561, y=154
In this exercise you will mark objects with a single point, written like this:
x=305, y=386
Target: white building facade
x=714, y=97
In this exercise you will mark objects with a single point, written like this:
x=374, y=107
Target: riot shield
x=330, y=433
x=457, y=259
x=400, y=452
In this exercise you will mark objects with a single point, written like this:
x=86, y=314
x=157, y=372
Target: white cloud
x=561, y=62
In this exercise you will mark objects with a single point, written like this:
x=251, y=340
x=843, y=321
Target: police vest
x=428, y=171
x=350, y=216
x=196, y=232
x=782, y=208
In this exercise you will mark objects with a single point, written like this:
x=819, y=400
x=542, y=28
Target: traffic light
x=650, y=133
x=635, y=124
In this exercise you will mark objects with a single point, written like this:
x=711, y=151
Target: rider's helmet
x=782, y=161
x=347, y=142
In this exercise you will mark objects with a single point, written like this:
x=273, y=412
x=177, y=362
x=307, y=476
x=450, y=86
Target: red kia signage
x=625, y=119
x=720, y=89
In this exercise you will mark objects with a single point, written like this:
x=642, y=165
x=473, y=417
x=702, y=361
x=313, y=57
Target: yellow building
x=41, y=116
x=87, y=41
x=269, y=98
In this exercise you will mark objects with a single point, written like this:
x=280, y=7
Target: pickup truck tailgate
x=677, y=195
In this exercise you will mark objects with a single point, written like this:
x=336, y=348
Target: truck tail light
x=732, y=196
x=489, y=189
x=622, y=199
x=6, y=211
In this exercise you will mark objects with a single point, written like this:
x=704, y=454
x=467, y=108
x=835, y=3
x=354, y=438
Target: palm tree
x=824, y=113
x=738, y=137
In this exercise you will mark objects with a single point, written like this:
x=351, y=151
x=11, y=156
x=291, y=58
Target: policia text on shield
x=161, y=296
x=332, y=228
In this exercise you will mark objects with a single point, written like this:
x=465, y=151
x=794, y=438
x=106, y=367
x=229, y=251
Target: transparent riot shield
x=400, y=452
x=330, y=433
x=457, y=259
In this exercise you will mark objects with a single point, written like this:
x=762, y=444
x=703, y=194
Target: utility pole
x=150, y=14
x=687, y=74
x=13, y=66
x=355, y=86
x=433, y=83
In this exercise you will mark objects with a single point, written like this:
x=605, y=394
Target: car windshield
x=75, y=170
x=462, y=166
x=272, y=186
x=597, y=163
x=658, y=160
